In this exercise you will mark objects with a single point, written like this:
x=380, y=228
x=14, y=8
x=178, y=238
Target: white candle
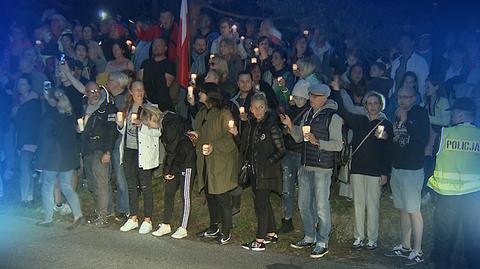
x=305, y=32
x=134, y=116
x=242, y=37
x=257, y=87
x=119, y=116
x=212, y=56
x=205, y=149
x=234, y=28
x=193, y=76
x=242, y=110
x=257, y=51
x=190, y=91
x=254, y=60
x=306, y=130
x=380, y=128
x=133, y=49
x=38, y=42
x=231, y=124
x=279, y=79
x=291, y=97
x=129, y=42
x=294, y=67
x=81, y=127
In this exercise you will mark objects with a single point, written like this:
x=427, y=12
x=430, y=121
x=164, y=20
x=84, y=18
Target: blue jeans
x=290, y=165
x=122, y=187
x=314, y=204
x=65, y=182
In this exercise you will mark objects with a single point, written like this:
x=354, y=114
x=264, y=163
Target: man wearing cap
x=321, y=141
x=456, y=180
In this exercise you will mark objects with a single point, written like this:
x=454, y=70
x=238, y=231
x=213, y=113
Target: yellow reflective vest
x=457, y=169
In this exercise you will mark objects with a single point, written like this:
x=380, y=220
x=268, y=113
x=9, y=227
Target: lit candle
x=242, y=37
x=205, y=149
x=119, y=116
x=38, y=42
x=190, y=91
x=234, y=28
x=81, y=127
x=279, y=79
x=231, y=124
x=306, y=130
x=193, y=76
x=257, y=87
x=254, y=60
x=291, y=97
x=134, y=117
x=305, y=32
x=257, y=51
x=294, y=67
x=380, y=132
x=134, y=49
x=242, y=110
x=129, y=42
x=381, y=128
x=212, y=56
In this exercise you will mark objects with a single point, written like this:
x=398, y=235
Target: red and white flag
x=182, y=46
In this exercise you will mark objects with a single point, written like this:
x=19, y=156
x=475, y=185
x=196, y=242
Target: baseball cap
x=320, y=89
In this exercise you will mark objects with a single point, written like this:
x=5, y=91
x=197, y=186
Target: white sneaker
x=129, y=225
x=180, y=233
x=163, y=229
x=145, y=228
x=66, y=210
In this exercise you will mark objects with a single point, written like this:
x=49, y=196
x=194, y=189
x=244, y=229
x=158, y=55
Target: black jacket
x=180, y=153
x=58, y=146
x=101, y=130
x=262, y=145
x=296, y=115
x=27, y=122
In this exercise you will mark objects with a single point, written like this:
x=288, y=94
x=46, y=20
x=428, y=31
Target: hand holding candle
x=234, y=28
x=133, y=117
x=306, y=130
x=253, y=60
x=242, y=110
x=231, y=124
x=120, y=116
x=257, y=51
x=81, y=126
x=207, y=149
x=380, y=132
x=294, y=67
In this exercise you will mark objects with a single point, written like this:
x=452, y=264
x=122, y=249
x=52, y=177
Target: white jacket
x=148, y=146
x=417, y=65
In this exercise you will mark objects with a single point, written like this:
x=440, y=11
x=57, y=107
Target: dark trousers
x=220, y=209
x=451, y=212
x=98, y=176
x=180, y=181
x=263, y=210
x=138, y=180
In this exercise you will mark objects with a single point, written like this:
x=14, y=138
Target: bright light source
x=102, y=14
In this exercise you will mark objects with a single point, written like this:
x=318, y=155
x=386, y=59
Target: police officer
x=456, y=179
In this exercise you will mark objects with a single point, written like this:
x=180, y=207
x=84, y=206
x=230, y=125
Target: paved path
x=24, y=245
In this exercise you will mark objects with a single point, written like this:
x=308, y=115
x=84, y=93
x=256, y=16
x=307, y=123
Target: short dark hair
x=282, y=53
x=244, y=73
x=81, y=43
x=196, y=37
x=380, y=66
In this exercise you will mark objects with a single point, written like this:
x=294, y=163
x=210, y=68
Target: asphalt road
x=24, y=245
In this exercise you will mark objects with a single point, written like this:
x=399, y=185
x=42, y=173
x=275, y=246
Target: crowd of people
x=102, y=101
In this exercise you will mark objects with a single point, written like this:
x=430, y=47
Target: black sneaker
x=122, y=217
x=414, y=258
x=318, y=252
x=98, y=222
x=287, y=226
x=301, y=244
x=224, y=239
x=211, y=232
x=398, y=251
x=270, y=239
x=254, y=246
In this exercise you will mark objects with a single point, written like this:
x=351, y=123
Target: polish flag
x=182, y=47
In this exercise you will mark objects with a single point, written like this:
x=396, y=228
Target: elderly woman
x=262, y=148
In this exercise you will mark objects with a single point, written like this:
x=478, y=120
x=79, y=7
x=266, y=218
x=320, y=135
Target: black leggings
x=263, y=210
x=220, y=209
x=137, y=177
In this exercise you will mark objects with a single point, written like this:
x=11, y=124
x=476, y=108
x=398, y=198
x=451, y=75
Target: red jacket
x=157, y=31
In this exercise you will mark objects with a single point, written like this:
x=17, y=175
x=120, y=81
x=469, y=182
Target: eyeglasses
x=94, y=91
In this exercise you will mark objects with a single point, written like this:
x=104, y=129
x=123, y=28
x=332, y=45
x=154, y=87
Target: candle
x=257, y=87
x=212, y=56
x=305, y=32
x=257, y=51
x=193, y=76
x=231, y=124
x=380, y=134
x=254, y=60
x=129, y=42
x=306, y=130
x=190, y=91
x=242, y=37
x=134, y=116
x=81, y=127
x=133, y=49
x=294, y=67
x=242, y=110
x=205, y=149
x=279, y=79
x=291, y=97
x=38, y=42
x=380, y=128
x=234, y=28
x=119, y=116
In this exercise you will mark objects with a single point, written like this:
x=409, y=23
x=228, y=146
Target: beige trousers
x=366, y=195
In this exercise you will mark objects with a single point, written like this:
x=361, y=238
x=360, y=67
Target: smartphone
x=62, y=58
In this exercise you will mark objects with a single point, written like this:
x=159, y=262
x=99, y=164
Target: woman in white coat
x=139, y=154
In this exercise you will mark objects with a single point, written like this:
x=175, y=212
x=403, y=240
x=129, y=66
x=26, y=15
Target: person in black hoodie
x=410, y=136
x=58, y=155
x=178, y=168
x=370, y=163
x=261, y=145
x=96, y=143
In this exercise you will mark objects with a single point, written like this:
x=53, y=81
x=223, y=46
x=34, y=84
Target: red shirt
x=157, y=31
